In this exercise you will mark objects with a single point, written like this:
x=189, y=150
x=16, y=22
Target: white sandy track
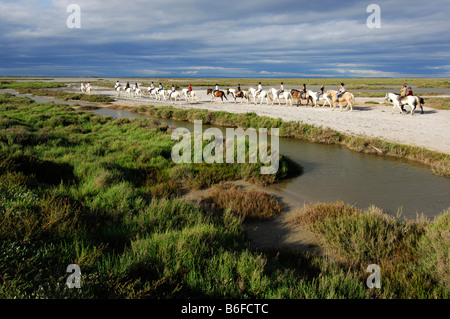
x=430, y=130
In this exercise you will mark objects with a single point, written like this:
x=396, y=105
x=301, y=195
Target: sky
x=233, y=38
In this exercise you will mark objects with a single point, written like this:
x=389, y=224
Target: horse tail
x=422, y=101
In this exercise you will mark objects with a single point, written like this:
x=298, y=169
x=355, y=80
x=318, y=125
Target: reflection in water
x=332, y=173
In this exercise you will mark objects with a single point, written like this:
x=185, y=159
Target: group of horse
x=346, y=100
x=158, y=94
x=87, y=89
x=273, y=95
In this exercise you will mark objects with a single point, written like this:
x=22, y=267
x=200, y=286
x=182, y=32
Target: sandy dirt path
x=430, y=130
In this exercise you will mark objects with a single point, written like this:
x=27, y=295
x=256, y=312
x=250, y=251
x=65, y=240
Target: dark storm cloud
x=205, y=38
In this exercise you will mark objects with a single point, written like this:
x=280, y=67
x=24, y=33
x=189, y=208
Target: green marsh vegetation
x=413, y=254
x=103, y=194
x=439, y=162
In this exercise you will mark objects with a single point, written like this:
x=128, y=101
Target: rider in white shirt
x=281, y=89
x=259, y=89
x=341, y=91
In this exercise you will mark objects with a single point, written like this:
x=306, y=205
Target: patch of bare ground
x=277, y=232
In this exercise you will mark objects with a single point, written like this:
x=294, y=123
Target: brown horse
x=220, y=94
x=347, y=97
x=241, y=94
x=305, y=96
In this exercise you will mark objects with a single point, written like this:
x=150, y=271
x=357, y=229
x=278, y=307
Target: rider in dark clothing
x=320, y=92
x=127, y=86
x=303, y=90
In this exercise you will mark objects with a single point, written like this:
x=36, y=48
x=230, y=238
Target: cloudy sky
x=232, y=38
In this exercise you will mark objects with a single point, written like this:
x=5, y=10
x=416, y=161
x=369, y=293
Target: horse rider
x=320, y=92
x=160, y=87
x=303, y=91
x=216, y=89
x=402, y=94
x=116, y=85
x=151, y=87
x=127, y=86
x=410, y=92
x=238, y=88
x=172, y=90
x=189, y=90
x=259, y=89
x=341, y=92
x=281, y=90
x=136, y=86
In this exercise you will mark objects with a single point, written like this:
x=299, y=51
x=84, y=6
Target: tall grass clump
x=251, y=204
x=407, y=251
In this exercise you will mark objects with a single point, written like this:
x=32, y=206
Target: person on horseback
x=402, y=94
x=160, y=87
x=216, y=89
x=320, y=92
x=410, y=92
x=189, y=90
x=259, y=89
x=151, y=87
x=238, y=88
x=116, y=85
x=281, y=90
x=303, y=91
x=127, y=86
x=171, y=91
x=341, y=91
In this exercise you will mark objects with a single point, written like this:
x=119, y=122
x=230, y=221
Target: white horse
x=411, y=100
x=138, y=92
x=191, y=96
x=119, y=89
x=89, y=90
x=261, y=96
x=162, y=94
x=153, y=93
x=322, y=97
x=285, y=94
x=82, y=88
x=129, y=93
x=174, y=96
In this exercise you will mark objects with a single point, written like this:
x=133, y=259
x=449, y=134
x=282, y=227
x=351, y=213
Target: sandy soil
x=430, y=130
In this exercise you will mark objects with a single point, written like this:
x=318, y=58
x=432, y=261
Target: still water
x=333, y=172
